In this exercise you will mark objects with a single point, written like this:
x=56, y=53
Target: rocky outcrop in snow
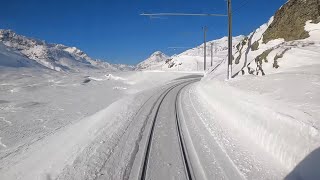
x=293, y=32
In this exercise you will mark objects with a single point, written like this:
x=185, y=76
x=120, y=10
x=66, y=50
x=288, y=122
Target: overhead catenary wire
x=181, y=14
x=179, y=47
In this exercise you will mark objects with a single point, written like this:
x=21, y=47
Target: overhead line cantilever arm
x=180, y=14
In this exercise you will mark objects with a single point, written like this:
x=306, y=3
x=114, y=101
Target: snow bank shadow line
x=307, y=169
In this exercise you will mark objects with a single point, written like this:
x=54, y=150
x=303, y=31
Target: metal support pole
x=204, y=48
x=211, y=53
x=229, y=40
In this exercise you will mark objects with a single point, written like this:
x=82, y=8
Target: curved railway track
x=148, y=159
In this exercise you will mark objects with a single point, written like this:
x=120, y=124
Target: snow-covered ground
x=48, y=117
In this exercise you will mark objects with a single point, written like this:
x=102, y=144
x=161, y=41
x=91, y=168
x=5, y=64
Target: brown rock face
x=290, y=19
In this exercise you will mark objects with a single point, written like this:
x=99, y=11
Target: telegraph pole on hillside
x=229, y=40
x=204, y=48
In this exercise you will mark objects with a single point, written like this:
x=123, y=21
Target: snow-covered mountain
x=189, y=60
x=153, y=62
x=17, y=50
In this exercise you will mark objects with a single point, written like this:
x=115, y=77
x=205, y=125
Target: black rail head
x=183, y=148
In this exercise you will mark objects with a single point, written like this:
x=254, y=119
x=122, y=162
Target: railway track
x=171, y=94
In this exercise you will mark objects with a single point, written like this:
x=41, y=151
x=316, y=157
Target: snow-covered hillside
x=21, y=51
x=10, y=58
x=190, y=60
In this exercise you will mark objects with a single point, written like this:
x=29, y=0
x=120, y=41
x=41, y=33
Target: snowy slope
x=53, y=56
x=9, y=58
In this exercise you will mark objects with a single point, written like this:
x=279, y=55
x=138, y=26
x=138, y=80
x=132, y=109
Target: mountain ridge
x=57, y=57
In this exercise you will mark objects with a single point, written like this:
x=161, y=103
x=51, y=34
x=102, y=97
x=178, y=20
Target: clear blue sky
x=114, y=31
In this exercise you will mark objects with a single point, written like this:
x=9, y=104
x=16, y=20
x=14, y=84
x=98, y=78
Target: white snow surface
x=48, y=118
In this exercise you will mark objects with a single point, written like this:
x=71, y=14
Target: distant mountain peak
x=154, y=59
x=157, y=53
x=157, y=56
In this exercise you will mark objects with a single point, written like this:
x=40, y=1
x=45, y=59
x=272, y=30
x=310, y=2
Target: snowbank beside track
x=287, y=133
